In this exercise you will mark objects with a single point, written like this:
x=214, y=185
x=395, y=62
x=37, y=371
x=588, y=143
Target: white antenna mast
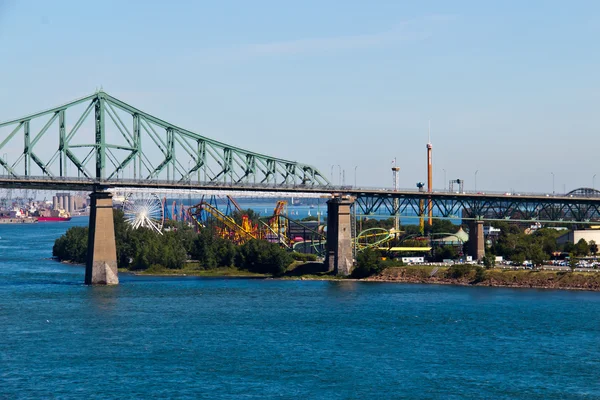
x=429, y=135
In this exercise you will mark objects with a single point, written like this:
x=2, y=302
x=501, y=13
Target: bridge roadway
x=85, y=184
x=370, y=201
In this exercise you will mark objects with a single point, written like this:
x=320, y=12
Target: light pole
x=552, y=183
x=340, y=174
x=356, y=166
x=594, y=182
x=190, y=182
x=476, y=171
x=443, y=169
x=332, y=174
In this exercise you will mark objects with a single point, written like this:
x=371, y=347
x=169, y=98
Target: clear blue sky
x=512, y=88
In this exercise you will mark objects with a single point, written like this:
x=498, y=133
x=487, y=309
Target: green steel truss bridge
x=99, y=139
x=99, y=142
x=581, y=206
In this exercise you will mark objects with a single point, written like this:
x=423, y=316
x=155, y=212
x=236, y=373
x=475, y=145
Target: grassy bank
x=296, y=270
x=458, y=275
x=194, y=269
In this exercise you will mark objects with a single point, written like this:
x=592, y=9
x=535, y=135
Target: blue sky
x=512, y=88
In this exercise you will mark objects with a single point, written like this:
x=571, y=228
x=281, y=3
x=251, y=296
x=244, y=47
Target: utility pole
x=395, y=173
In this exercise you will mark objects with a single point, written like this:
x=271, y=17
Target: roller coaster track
x=380, y=236
x=243, y=234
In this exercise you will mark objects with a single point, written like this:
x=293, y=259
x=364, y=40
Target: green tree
x=72, y=246
x=518, y=259
x=368, y=262
x=536, y=255
x=368, y=223
x=593, y=247
x=572, y=263
x=489, y=260
x=225, y=252
x=568, y=247
x=441, y=226
x=582, y=248
x=412, y=230
x=203, y=249
x=446, y=252
x=263, y=257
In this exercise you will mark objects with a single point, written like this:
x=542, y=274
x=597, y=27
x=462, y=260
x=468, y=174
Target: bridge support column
x=339, y=257
x=101, y=266
x=476, y=240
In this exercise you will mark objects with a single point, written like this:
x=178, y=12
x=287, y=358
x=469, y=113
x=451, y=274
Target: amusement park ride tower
x=429, y=179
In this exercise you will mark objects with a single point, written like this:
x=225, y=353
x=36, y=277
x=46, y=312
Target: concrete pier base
x=339, y=236
x=101, y=266
x=476, y=240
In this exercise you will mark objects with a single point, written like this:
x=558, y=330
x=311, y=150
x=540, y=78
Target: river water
x=253, y=339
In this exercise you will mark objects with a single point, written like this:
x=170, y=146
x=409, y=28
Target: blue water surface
x=185, y=337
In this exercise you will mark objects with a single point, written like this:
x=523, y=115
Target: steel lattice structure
x=98, y=138
x=483, y=207
x=91, y=142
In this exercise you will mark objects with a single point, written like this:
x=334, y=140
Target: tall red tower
x=429, y=179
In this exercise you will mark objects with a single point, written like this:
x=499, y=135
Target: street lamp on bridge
x=552, y=183
x=476, y=171
x=594, y=182
x=355, y=167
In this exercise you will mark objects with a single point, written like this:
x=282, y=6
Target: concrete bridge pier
x=339, y=258
x=101, y=266
x=476, y=240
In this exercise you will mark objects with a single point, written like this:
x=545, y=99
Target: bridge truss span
x=483, y=207
x=101, y=138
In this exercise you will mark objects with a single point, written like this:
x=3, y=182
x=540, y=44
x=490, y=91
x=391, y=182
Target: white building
x=575, y=236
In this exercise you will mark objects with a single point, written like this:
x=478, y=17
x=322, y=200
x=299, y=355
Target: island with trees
x=181, y=250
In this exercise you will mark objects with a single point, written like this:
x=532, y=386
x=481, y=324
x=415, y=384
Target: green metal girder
x=201, y=158
x=480, y=207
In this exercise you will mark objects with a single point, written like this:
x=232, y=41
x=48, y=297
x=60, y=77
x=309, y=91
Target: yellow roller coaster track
x=244, y=234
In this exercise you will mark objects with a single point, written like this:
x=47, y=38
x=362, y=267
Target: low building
x=576, y=235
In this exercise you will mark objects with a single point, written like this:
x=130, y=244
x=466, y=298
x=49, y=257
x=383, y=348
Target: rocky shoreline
x=561, y=280
x=495, y=278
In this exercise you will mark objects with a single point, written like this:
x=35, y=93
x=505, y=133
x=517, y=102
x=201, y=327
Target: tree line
x=140, y=249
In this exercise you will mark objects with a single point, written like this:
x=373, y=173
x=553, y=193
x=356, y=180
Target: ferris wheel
x=144, y=210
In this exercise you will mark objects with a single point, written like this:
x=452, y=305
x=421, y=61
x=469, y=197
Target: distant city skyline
x=511, y=89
